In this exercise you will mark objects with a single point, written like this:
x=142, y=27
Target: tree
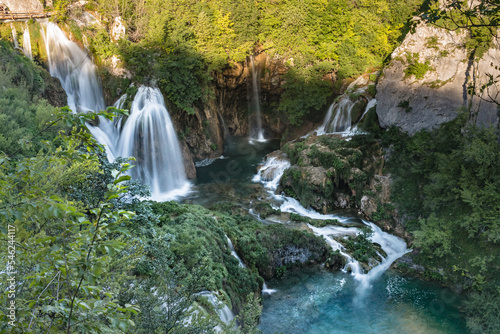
x=59, y=249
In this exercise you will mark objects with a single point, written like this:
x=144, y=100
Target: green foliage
x=305, y=92
x=64, y=248
x=23, y=113
x=405, y=105
x=249, y=316
x=360, y=247
x=415, y=67
x=315, y=222
x=383, y=212
x=447, y=180
x=348, y=166
x=482, y=309
x=177, y=43
x=480, y=41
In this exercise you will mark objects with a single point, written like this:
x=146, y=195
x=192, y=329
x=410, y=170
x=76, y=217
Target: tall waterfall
x=148, y=134
x=27, y=43
x=256, y=133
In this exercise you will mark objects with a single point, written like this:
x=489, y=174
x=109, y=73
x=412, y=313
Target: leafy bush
x=415, y=67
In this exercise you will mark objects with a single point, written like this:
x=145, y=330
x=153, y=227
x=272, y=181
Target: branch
x=85, y=268
x=34, y=307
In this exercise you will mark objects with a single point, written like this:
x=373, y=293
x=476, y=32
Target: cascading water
x=14, y=36
x=340, y=117
x=148, y=133
x=256, y=134
x=27, y=43
x=150, y=137
x=272, y=170
x=233, y=252
x=393, y=246
x=266, y=290
x=223, y=311
x=76, y=71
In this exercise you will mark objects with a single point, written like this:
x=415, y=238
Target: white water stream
x=14, y=36
x=394, y=247
x=223, y=311
x=233, y=252
x=256, y=134
x=27, y=43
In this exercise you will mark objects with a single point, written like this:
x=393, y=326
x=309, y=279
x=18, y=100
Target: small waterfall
x=272, y=171
x=256, y=134
x=14, y=36
x=266, y=290
x=223, y=311
x=233, y=252
x=340, y=117
x=150, y=137
x=27, y=43
x=76, y=71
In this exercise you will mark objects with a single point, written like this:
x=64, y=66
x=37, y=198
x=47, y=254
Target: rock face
x=413, y=103
x=22, y=5
x=234, y=91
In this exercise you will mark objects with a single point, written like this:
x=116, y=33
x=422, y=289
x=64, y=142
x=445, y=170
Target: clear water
x=317, y=301
x=230, y=178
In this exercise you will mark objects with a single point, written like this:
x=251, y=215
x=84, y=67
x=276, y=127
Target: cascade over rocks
x=414, y=104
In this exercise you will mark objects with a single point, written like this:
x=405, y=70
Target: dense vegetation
x=90, y=257
x=180, y=43
x=24, y=110
x=448, y=182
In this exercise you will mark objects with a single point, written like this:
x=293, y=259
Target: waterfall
x=340, y=117
x=27, y=43
x=266, y=290
x=76, y=71
x=393, y=246
x=272, y=171
x=223, y=311
x=147, y=134
x=14, y=36
x=256, y=134
x=233, y=252
x=150, y=137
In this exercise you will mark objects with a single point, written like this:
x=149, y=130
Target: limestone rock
x=415, y=104
x=22, y=5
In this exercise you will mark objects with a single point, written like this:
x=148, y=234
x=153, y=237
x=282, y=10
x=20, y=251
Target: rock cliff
x=427, y=81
